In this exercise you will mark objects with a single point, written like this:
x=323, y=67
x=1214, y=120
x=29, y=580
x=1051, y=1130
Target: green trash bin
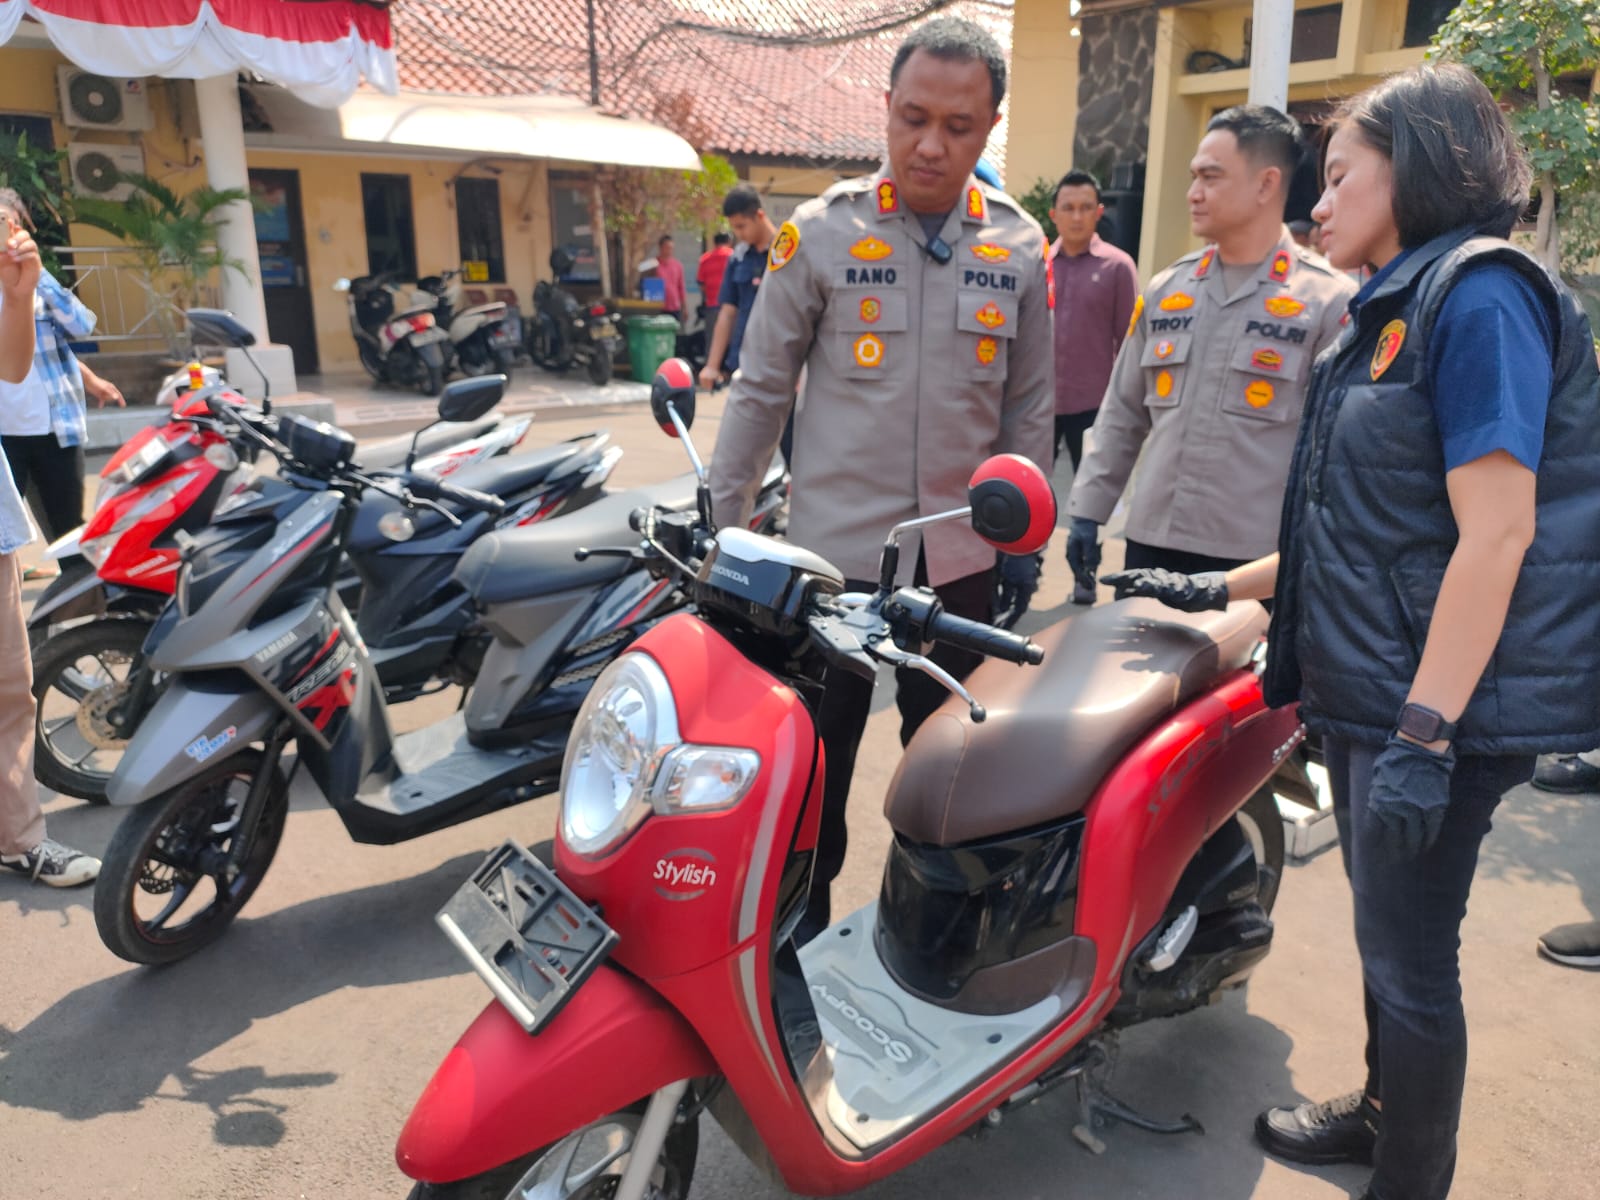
x=651, y=341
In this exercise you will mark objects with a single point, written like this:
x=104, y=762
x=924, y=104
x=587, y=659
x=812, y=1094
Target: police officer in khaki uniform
x=1212, y=378
x=915, y=301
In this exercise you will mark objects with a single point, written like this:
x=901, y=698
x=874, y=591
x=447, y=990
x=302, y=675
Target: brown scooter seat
x=1054, y=731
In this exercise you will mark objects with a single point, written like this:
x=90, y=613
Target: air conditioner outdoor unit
x=98, y=170
x=90, y=101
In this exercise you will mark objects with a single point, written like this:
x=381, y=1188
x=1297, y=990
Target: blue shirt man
x=754, y=232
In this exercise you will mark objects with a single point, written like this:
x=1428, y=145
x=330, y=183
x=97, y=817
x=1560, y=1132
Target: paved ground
x=281, y=1063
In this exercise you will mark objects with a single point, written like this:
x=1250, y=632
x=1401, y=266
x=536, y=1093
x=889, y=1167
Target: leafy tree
x=173, y=239
x=1521, y=49
x=36, y=175
x=1037, y=202
x=642, y=203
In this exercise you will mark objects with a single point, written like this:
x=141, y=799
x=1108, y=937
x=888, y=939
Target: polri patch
x=783, y=247
x=988, y=347
x=871, y=309
x=1389, y=343
x=990, y=316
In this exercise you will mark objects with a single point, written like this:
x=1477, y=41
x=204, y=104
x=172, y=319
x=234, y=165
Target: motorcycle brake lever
x=584, y=553
x=888, y=652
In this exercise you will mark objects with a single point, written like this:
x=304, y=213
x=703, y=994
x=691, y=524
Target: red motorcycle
x=1094, y=849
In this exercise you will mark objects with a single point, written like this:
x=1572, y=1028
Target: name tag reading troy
x=998, y=281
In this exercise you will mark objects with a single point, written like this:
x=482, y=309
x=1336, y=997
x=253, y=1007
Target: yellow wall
x=1044, y=94
x=336, y=245
x=1370, y=33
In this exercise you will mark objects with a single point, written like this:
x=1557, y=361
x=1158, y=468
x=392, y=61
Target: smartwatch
x=1423, y=724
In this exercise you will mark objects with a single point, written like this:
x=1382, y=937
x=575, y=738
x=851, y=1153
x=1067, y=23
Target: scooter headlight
x=625, y=760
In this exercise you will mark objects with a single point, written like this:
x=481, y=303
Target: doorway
x=281, y=243
x=391, y=229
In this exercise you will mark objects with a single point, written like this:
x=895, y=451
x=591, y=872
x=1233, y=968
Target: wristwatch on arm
x=1423, y=724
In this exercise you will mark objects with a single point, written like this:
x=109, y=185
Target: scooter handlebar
x=431, y=487
x=984, y=639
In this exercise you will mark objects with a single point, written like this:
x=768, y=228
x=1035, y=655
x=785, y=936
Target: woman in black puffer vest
x=1437, y=578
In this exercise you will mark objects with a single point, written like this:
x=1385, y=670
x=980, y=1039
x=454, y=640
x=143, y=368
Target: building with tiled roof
x=758, y=81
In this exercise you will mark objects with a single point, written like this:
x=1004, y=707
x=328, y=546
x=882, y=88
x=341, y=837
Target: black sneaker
x=53, y=864
x=1342, y=1130
x=1573, y=945
x=1566, y=773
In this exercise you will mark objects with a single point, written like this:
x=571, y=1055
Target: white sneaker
x=53, y=864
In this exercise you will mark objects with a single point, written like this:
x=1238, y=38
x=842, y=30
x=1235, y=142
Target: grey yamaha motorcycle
x=262, y=655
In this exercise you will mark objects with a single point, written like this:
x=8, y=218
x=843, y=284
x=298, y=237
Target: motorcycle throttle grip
x=984, y=639
x=427, y=487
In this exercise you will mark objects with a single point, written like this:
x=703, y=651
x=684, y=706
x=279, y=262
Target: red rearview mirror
x=1013, y=504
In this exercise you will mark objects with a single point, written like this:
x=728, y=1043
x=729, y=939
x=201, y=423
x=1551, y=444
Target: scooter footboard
x=187, y=729
x=501, y=1093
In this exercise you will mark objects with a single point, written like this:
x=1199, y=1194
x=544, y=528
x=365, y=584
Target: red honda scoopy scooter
x=1093, y=849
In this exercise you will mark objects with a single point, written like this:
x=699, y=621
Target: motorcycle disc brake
x=94, y=716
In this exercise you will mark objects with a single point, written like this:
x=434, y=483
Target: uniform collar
x=1277, y=268
x=973, y=207
x=1093, y=250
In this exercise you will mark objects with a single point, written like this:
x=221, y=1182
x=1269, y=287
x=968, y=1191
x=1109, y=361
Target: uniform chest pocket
x=1165, y=362
x=870, y=325
x=985, y=324
x=1266, y=380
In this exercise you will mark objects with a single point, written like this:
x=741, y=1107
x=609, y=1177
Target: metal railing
x=131, y=312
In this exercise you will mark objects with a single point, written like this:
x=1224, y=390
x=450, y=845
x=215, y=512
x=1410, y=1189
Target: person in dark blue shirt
x=754, y=232
x=1435, y=581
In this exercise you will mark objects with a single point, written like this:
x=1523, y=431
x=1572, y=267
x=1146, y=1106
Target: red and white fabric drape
x=321, y=49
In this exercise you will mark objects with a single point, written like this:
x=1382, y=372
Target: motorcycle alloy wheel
x=78, y=676
x=587, y=1164
x=169, y=860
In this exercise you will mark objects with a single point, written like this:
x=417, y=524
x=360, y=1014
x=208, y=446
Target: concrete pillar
x=1272, y=31
x=222, y=136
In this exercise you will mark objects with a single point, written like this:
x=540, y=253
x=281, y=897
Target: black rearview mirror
x=469, y=399
x=215, y=327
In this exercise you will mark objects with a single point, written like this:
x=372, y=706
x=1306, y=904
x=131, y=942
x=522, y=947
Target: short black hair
x=663, y=239
x=1077, y=178
x=1456, y=162
x=722, y=239
x=742, y=201
x=1265, y=135
x=960, y=40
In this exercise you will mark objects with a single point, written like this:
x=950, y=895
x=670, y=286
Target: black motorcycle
x=564, y=333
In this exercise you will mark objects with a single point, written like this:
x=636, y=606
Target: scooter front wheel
x=80, y=677
x=587, y=1164
x=168, y=885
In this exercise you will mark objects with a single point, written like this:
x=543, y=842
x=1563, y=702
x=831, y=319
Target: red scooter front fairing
x=500, y=1093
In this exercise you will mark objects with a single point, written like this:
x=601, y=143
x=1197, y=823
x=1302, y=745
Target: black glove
x=1016, y=580
x=1186, y=593
x=1083, y=554
x=1408, y=797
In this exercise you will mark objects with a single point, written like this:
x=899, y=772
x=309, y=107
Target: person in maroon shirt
x=713, y=263
x=670, y=269
x=1093, y=286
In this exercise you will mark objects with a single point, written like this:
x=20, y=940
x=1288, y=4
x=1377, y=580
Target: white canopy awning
x=522, y=126
x=432, y=124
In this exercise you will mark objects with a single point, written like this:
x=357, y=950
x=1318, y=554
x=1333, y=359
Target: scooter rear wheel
x=587, y=1164
x=163, y=890
x=601, y=365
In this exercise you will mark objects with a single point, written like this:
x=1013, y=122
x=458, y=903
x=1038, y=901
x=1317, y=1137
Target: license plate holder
x=526, y=934
x=605, y=332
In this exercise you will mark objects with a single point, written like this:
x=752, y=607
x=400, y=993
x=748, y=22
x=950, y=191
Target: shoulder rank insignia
x=1203, y=267
x=783, y=247
x=888, y=198
x=1389, y=343
x=1177, y=302
x=1280, y=266
x=990, y=253
x=1284, y=306
x=976, y=208
x=990, y=316
x=871, y=249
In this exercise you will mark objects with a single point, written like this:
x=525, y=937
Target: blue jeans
x=1408, y=930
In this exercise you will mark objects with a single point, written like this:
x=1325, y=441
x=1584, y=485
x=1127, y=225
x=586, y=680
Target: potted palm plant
x=173, y=240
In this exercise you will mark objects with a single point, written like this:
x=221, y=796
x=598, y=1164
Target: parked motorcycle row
x=1084, y=838
x=417, y=335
